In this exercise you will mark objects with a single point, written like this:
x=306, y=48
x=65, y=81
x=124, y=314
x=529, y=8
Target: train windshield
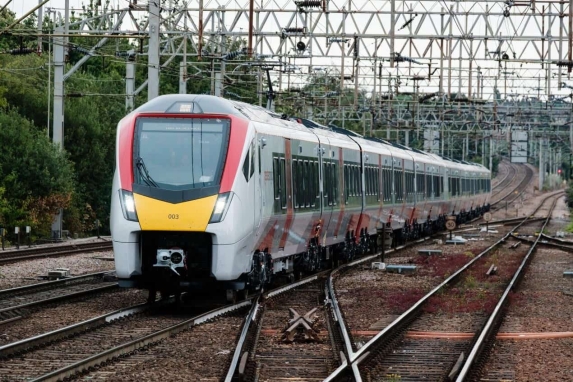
x=180, y=153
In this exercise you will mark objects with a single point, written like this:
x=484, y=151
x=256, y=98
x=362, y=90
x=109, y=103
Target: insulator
x=294, y=30
x=347, y=77
x=356, y=48
x=20, y=51
x=232, y=55
x=74, y=95
x=83, y=50
x=309, y=3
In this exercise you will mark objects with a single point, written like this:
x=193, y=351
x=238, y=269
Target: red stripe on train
x=125, y=154
x=239, y=129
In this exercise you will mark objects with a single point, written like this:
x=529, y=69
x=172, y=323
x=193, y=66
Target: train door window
x=246, y=166
x=252, y=151
x=306, y=177
x=346, y=184
x=279, y=183
x=387, y=183
x=326, y=182
x=276, y=178
x=399, y=184
x=450, y=188
x=295, y=183
x=366, y=181
x=351, y=180
x=377, y=180
x=315, y=186
x=357, y=182
x=335, y=185
x=259, y=149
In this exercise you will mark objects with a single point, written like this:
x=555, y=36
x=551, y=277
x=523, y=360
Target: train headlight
x=221, y=207
x=128, y=205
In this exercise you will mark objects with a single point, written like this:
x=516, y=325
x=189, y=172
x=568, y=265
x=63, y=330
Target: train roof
x=207, y=104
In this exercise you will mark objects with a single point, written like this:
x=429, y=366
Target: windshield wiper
x=144, y=173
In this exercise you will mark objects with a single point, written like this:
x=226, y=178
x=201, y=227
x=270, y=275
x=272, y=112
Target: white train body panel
x=210, y=190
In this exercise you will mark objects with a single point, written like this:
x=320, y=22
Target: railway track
x=71, y=350
x=516, y=192
x=393, y=354
x=17, y=303
x=505, y=181
x=52, y=251
x=291, y=334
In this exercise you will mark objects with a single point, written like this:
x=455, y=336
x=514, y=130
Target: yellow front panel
x=156, y=215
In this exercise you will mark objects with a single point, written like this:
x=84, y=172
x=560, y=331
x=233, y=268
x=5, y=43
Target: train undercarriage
x=173, y=262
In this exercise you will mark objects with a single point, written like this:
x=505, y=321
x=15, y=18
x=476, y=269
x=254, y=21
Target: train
x=214, y=193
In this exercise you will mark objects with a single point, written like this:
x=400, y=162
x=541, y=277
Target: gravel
x=543, y=302
x=28, y=272
x=199, y=354
x=55, y=317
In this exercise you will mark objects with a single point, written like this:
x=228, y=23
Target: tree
x=36, y=178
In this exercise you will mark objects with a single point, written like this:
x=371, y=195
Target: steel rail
x=356, y=357
x=16, y=308
x=131, y=346
x=350, y=354
x=19, y=311
x=563, y=247
x=488, y=329
x=521, y=186
x=252, y=315
x=62, y=250
x=41, y=339
x=49, y=284
x=501, y=185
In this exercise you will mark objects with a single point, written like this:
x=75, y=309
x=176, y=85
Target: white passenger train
x=209, y=191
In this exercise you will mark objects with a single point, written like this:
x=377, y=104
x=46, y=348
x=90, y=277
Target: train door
x=258, y=185
x=252, y=184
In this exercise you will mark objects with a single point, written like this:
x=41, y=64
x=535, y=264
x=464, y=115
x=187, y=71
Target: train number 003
x=173, y=216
